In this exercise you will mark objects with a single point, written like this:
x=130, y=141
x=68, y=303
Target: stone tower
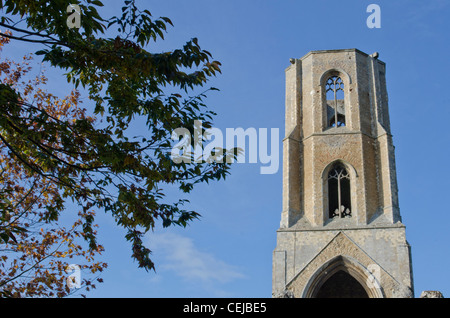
x=340, y=232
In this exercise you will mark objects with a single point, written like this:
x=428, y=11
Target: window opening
x=339, y=198
x=335, y=95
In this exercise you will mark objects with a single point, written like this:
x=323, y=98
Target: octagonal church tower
x=340, y=233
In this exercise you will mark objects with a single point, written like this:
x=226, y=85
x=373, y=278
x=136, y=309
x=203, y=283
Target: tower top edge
x=374, y=55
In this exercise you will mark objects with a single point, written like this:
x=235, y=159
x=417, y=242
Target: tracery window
x=339, y=199
x=335, y=101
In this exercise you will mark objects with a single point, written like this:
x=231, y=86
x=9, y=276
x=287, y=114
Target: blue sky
x=228, y=252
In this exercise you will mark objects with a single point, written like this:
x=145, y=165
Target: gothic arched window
x=339, y=199
x=334, y=88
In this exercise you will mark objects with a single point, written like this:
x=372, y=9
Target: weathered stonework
x=431, y=294
x=311, y=243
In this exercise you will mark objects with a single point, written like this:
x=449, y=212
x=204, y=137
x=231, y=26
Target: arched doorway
x=341, y=285
x=341, y=277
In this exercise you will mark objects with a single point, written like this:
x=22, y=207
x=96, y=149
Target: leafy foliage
x=105, y=166
x=35, y=248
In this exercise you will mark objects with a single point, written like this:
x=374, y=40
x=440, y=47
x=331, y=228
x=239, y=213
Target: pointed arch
x=339, y=194
x=351, y=274
x=335, y=72
x=348, y=166
x=335, y=85
x=339, y=190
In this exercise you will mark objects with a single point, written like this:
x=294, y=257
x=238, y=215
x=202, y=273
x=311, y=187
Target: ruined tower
x=340, y=233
